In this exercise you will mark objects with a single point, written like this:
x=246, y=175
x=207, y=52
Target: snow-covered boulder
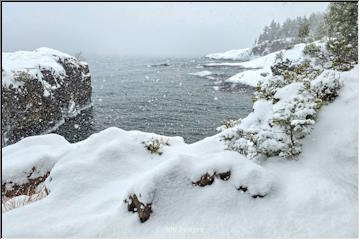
x=39, y=89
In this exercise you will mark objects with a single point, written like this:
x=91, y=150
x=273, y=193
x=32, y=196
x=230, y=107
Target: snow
x=325, y=80
x=315, y=196
x=202, y=73
x=260, y=67
x=31, y=63
x=244, y=54
x=249, y=77
x=326, y=176
x=288, y=91
x=37, y=151
x=118, y=164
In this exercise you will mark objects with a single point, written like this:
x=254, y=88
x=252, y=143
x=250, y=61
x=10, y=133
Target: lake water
x=159, y=95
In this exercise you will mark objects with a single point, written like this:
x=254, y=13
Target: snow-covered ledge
x=40, y=89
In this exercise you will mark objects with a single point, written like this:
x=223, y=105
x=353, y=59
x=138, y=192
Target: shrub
x=327, y=86
x=312, y=50
x=154, y=145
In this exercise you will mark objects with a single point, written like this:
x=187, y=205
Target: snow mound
x=97, y=174
x=37, y=152
x=244, y=54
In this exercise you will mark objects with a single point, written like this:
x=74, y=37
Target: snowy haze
x=142, y=29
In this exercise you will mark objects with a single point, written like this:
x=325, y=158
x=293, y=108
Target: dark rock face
x=44, y=99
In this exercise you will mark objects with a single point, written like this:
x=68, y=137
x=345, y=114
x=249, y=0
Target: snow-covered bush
x=326, y=87
x=319, y=54
x=294, y=113
x=285, y=107
x=312, y=50
x=229, y=123
x=277, y=126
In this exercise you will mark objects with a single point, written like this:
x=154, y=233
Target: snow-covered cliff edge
x=39, y=89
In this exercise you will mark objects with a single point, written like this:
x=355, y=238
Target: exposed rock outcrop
x=40, y=89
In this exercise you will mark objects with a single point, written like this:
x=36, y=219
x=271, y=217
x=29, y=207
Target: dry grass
x=154, y=145
x=9, y=204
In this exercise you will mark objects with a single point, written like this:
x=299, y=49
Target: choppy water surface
x=159, y=95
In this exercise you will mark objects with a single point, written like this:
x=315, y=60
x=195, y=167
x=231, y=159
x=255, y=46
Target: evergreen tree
x=341, y=21
x=304, y=29
x=291, y=28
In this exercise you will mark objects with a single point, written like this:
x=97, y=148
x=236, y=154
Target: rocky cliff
x=40, y=89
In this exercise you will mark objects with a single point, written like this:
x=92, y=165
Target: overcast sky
x=148, y=29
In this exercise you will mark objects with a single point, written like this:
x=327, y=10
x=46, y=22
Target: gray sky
x=148, y=29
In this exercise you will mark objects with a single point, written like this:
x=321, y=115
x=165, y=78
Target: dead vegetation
x=245, y=189
x=22, y=200
x=208, y=179
x=154, y=145
x=10, y=189
x=17, y=195
x=143, y=209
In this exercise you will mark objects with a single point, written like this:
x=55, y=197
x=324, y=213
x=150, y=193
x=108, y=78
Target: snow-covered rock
x=258, y=50
x=262, y=66
x=39, y=89
x=244, y=54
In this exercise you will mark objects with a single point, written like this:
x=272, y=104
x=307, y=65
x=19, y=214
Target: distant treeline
x=292, y=27
x=338, y=24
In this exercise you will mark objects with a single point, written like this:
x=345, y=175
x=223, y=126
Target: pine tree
x=304, y=29
x=295, y=115
x=341, y=21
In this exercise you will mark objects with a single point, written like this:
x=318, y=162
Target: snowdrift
x=194, y=190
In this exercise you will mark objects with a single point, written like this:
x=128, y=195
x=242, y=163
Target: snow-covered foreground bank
x=315, y=196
